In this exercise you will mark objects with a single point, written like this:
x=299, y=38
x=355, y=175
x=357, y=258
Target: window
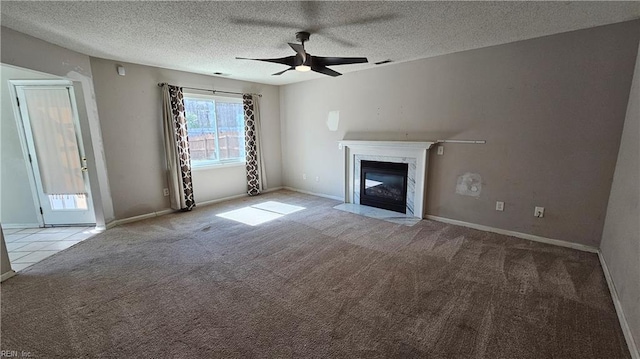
x=215, y=127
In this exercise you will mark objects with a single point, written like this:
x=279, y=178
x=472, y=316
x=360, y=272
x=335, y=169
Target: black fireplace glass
x=389, y=186
x=384, y=185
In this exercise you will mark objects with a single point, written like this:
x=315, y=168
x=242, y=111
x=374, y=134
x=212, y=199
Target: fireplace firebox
x=384, y=185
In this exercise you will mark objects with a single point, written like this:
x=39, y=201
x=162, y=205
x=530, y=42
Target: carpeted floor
x=318, y=283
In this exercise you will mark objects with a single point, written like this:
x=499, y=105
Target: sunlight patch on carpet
x=260, y=213
x=278, y=207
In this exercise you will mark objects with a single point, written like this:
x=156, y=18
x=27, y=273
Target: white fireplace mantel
x=415, y=153
x=387, y=144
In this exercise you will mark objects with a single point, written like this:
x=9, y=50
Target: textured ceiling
x=205, y=37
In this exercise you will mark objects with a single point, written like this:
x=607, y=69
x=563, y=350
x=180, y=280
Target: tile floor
x=31, y=245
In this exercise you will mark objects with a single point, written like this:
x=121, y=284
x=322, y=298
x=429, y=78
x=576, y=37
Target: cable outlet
x=165, y=192
x=499, y=206
x=539, y=212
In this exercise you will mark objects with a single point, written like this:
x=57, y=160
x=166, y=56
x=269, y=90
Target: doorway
x=49, y=129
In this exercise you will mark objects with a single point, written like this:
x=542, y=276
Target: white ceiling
x=205, y=37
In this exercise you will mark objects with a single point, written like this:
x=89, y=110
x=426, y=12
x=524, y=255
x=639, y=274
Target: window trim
x=211, y=164
x=216, y=164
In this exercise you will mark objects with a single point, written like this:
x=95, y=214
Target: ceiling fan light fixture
x=303, y=68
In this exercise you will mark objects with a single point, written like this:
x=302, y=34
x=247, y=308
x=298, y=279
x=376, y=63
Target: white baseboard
x=118, y=222
x=531, y=237
x=314, y=193
x=20, y=225
x=167, y=211
x=273, y=189
x=214, y=201
x=633, y=349
x=7, y=275
x=111, y=224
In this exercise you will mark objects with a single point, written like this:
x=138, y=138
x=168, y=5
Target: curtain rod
x=210, y=90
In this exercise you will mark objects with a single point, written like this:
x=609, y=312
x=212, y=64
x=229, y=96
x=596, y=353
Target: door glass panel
x=54, y=135
x=61, y=202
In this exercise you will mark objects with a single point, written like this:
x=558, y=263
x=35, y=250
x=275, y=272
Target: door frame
x=23, y=140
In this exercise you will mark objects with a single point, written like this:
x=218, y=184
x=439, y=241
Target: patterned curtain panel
x=176, y=146
x=256, y=179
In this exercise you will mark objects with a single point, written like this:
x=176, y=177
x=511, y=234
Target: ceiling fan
x=303, y=61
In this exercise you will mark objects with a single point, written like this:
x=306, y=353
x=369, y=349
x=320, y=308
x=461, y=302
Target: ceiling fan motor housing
x=302, y=36
x=306, y=60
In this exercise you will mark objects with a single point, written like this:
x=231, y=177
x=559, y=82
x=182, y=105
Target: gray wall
x=27, y=52
x=621, y=236
x=130, y=109
x=17, y=206
x=5, y=264
x=551, y=110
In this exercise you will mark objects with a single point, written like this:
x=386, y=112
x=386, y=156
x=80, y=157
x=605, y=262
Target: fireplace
x=384, y=185
x=413, y=154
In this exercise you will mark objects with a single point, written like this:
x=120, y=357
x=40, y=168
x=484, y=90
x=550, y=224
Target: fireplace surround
x=412, y=153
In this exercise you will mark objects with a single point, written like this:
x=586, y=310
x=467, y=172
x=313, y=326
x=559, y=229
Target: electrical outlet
x=165, y=192
x=539, y=212
x=317, y=179
x=440, y=150
x=499, y=206
x=304, y=176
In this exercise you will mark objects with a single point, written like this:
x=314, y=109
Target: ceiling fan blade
x=283, y=71
x=265, y=23
x=331, y=61
x=289, y=60
x=342, y=42
x=298, y=48
x=365, y=20
x=325, y=70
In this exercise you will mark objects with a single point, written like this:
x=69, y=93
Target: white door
x=52, y=135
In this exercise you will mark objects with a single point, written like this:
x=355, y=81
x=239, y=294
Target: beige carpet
x=318, y=283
